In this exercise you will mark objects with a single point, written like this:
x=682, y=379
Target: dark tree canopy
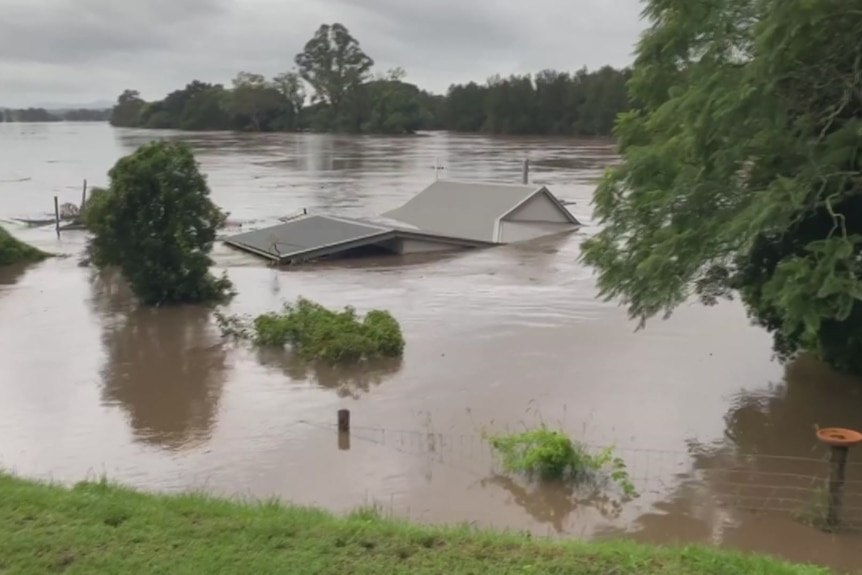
x=157, y=224
x=741, y=171
x=345, y=96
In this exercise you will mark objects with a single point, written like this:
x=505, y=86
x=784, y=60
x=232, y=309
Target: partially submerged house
x=488, y=212
x=445, y=216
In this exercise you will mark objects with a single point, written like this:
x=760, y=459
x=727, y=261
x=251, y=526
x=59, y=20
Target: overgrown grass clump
x=316, y=333
x=14, y=251
x=98, y=528
x=550, y=455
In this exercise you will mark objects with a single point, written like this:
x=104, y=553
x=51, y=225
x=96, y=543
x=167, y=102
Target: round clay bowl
x=838, y=437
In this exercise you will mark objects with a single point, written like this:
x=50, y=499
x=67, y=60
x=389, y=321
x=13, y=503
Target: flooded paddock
x=718, y=438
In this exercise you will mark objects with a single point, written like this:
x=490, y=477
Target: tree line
x=43, y=115
x=333, y=88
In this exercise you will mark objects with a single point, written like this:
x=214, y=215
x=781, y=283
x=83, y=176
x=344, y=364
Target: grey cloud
x=455, y=39
x=83, y=50
x=81, y=31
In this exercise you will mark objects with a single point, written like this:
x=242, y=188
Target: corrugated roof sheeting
x=302, y=234
x=461, y=209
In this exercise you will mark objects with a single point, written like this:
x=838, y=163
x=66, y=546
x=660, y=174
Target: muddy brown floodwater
x=718, y=438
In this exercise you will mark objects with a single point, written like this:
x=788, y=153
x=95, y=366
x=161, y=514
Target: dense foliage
x=157, y=224
x=344, y=95
x=14, y=251
x=43, y=115
x=741, y=171
x=319, y=334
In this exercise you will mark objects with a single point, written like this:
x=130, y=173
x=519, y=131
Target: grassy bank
x=98, y=528
x=14, y=251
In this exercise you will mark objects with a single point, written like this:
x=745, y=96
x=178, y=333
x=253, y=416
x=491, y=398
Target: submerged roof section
x=468, y=209
x=302, y=234
x=311, y=237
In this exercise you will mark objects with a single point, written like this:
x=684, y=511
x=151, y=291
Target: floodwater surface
x=718, y=438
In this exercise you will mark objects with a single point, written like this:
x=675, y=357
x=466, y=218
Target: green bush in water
x=553, y=456
x=14, y=251
x=319, y=334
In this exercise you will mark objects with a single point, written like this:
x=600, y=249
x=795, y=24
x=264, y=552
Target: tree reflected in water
x=758, y=487
x=165, y=367
x=552, y=503
x=347, y=380
x=780, y=420
x=12, y=274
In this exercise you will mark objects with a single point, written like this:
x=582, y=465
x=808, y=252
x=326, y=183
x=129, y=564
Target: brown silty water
x=718, y=438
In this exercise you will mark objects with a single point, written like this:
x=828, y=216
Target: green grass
x=100, y=528
x=14, y=251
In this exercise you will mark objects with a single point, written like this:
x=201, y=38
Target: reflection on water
x=781, y=418
x=155, y=399
x=347, y=381
x=761, y=486
x=164, y=367
x=553, y=503
x=9, y=275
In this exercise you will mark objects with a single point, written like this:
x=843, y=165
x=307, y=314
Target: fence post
x=839, y=441
x=837, y=468
x=344, y=429
x=57, y=215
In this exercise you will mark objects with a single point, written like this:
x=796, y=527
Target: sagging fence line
x=796, y=485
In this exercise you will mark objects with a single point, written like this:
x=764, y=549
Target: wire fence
x=759, y=483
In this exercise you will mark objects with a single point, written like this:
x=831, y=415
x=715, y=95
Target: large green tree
x=157, y=224
x=335, y=66
x=740, y=170
x=290, y=86
x=127, y=111
x=255, y=103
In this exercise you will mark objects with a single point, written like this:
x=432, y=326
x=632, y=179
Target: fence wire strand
x=751, y=482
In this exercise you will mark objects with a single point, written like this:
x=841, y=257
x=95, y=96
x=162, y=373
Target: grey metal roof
x=463, y=209
x=302, y=234
x=309, y=237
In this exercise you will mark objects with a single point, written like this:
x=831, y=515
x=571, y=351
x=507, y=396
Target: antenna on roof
x=437, y=167
x=525, y=179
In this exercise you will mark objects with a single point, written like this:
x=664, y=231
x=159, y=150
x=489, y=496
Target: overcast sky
x=78, y=51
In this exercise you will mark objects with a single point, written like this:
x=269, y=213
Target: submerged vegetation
x=157, y=224
x=549, y=455
x=336, y=75
x=14, y=251
x=316, y=333
x=97, y=528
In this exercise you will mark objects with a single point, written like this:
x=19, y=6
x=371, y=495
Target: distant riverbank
x=101, y=528
x=38, y=115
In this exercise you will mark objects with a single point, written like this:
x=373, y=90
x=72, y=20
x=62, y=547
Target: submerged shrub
x=319, y=334
x=552, y=456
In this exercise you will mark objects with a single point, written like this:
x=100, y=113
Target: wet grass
x=100, y=528
x=14, y=251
